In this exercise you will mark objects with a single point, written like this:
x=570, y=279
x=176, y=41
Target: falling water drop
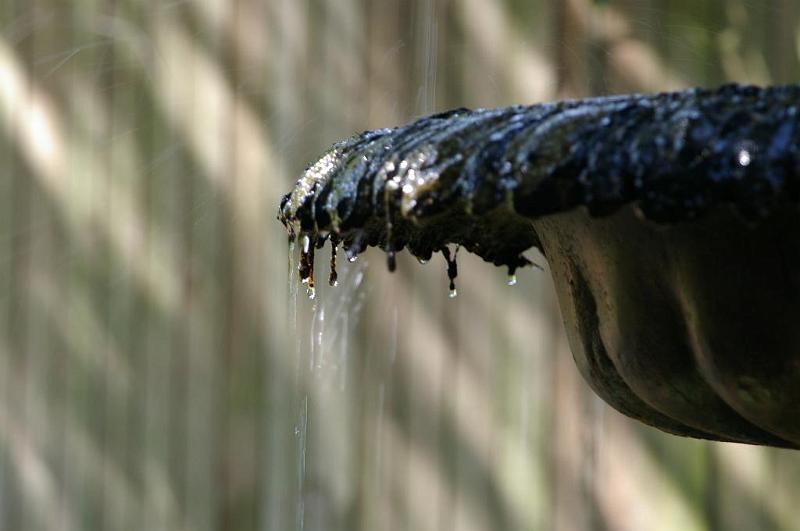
x=306, y=267
x=391, y=260
x=452, y=269
x=743, y=158
x=512, y=280
x=301, y=432
x=333, y=279
x=352, y=258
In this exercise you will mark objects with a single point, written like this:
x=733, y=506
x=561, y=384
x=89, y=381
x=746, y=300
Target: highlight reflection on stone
x=669, y=221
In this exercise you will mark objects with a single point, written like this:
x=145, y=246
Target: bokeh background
x=157, y=370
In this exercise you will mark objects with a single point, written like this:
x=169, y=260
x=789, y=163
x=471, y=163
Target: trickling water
x=300, y=400
x=301, y=433
x=333, y=279
x=324, y=328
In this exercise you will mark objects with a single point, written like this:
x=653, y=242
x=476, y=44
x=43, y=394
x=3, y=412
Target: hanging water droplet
x=352, y=258
x=743, y=158
x=391, y=261
x=452, y=269
x=312, y=292
x=512, y=280
x=333, y=278
x=422, y=261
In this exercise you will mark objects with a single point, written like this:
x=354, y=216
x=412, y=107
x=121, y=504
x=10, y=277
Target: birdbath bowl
x=669, y=222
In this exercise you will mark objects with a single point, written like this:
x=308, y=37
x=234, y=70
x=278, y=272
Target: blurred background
x=158, y=369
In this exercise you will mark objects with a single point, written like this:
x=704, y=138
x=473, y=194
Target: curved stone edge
x=477, y=178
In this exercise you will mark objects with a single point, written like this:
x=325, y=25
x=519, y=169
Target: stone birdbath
x=669, y=222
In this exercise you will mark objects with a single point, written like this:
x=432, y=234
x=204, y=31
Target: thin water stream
x=398, y=426
x=325, y=392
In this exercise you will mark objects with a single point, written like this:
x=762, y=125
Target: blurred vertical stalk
x=105, y=414
x=202, y=292
x=287, y=27
x=161, y=194
x=11, y=264
x=564, y=44
x=248, y=157
x=781, y=27
x=81, y=201
x=7, y=495
x=37, y=329
x=121, y=83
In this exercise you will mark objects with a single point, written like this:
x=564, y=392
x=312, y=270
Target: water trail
x=300, y=399
x=301, y=433
x=326, y=427
x=428, y=28
x=333, y=278
x=291, y=303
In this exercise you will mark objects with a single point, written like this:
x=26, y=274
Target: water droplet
x=312, y=292
x=352, y=258
x=422, y=261
x=333, y=279
x=391, y=261
x=744, y=158
x=512, y=280
x=452, y=269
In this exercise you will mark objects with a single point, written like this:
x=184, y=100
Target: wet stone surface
x=476, y=178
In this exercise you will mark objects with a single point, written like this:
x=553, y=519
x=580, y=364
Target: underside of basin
x=689, y=327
